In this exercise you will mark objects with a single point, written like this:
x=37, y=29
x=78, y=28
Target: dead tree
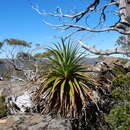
x=121, y=9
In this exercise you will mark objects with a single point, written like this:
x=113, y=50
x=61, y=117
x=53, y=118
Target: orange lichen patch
x=3, y=121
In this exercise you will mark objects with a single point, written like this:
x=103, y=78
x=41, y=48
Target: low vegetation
x=3, y=107
x=66, y=85
x=123, y=61
x=68, y=90
x=119, y=116
x=122, y=81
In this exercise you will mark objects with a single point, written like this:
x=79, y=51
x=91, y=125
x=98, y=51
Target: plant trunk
x=124, y=6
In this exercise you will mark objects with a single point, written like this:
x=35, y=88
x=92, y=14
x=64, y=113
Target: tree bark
x=124, y=6
x=128, y=15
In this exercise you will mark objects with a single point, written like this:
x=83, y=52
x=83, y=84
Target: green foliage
x=123, y=61
x=122, y=81
x=20, y=74
x=2, y=62
x=42, y=55
x=65, y=86
x=1, y=43
x=24, y=56
x=7, y=75
x=3, y=110
x=120, y=95
x=17, y=42
x=128, y=42
x=3, y=107
x=118, y=70
x=123, y=42
x=100, y=57
x=43, y=68
x=119, y=117
x=2, y=99
x=38, y=55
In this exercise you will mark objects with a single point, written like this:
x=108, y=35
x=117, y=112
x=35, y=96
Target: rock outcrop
x=33, y=122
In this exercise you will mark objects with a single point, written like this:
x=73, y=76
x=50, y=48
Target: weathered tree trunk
x=128, y=15
x=124, y=6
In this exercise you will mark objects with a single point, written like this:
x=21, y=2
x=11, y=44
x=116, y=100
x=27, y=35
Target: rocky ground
x=27, y=121
x=16, y=92
x=20, y=120
x=33, y=122
x=10, y=88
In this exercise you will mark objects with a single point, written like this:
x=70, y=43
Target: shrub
x=65, y=86
x=100, y=57
x=2, y=99
x=24, y=56
x=119, y=70
x=120, y=95
x=17, y=42
x=122, y=81
x=123, y=61
x=7, y=75
x=119, y=117
x=3, y=107
x=2, y=62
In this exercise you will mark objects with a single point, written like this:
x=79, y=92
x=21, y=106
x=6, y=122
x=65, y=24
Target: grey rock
x=39, y=126
x=59, y=125
x=34, y=122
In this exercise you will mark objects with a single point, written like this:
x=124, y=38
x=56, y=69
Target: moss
x=3, y=107
x=119, y=117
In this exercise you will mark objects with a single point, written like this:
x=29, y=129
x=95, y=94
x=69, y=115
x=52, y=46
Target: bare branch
x=104, y=52
x=78, y=15
x=82, y=28
x=119, y=27
x=122, y=25
x=50, y=14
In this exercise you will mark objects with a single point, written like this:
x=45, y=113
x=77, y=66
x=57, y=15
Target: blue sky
x=19, y=20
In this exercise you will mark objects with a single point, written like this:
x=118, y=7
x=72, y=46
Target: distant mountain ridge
x=25, y=63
